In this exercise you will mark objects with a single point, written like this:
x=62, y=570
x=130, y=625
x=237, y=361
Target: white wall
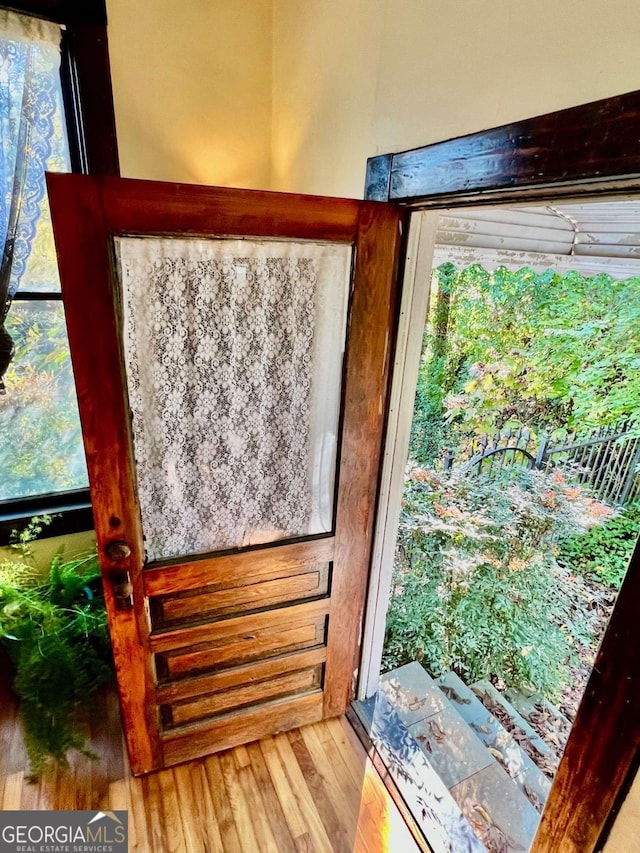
x=192, y=89
x=326, y=66
x=625, y=833
x=354, y=78
x=296, y=94
x=44, y=550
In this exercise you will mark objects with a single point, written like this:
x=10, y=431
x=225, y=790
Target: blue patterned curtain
x=29, y=98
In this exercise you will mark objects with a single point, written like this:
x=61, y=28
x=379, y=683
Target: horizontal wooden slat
x=146, y=207
x=629, y=224
x=555, y=228
x=272, y=641
x=287, y=684
x=610, y=238
x=592, y=140
x=532, y=217
x=194, y=741
x=491, y=259
x=497, y=241
x=226, y=628
x=561, y=230
x=238, y=675
x=613, y=211
x=604, y=250
x=239, y=567
x=312, y=581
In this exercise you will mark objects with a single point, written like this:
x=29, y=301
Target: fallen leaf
x=483, y=813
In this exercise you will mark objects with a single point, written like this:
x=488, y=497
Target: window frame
x=91, y=127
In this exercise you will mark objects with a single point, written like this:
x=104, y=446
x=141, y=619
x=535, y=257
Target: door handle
x=120, y=580
x=122, y=590
x=117, y=551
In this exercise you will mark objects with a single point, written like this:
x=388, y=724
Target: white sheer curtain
x=30, y=101
x=234, y=352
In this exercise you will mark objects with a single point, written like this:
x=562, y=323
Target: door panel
x=233, y=352
x=309, y=582
x=258, y=633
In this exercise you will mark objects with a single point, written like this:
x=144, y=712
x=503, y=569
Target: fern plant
x=55, y=632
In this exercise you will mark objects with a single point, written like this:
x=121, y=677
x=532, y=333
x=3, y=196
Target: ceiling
x=588, y=237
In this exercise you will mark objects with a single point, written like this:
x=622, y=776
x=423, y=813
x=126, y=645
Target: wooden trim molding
x=586, y=150
x=595, y=141
x=89, y=99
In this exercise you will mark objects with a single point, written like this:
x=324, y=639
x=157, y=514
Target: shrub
x=475, y=587
x=603, y=553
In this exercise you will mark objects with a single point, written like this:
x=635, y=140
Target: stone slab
x=365, y=708
x=500, y=814
x=513, y=759
x=426, y=795
x=451, y=746
x=461, y=697
x=481, y=688
x=412, y=692
x=526, y=704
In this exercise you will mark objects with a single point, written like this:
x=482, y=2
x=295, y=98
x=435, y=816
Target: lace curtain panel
x=30, y=122
x=233, y=355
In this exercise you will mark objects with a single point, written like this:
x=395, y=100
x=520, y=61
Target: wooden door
x=233, y=614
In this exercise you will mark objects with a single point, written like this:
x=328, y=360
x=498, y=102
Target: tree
x=41, y=449
x=539, y=350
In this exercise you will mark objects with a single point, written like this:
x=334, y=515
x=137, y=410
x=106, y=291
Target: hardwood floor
x=312, y=789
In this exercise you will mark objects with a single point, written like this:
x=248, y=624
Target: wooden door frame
x=587, y=151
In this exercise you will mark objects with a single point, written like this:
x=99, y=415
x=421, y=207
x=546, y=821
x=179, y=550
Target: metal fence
x=606, y=459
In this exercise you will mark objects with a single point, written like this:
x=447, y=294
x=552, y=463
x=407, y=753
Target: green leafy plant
x=520, y=348
x=55, y=632
x=39, y=410
x=476, y=587
x=603, y=553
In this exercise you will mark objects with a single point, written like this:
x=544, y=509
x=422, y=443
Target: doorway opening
x=512, y=505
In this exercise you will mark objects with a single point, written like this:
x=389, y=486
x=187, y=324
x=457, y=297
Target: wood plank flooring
x=312, y=789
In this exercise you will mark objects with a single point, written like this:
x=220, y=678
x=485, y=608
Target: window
x=49, y=70
x=41, y=448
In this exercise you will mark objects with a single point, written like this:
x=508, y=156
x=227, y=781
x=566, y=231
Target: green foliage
x=476, y=588
x=430, y=433
x=522, y=348
x=55, y=631
x=603, y=553
x=38, y=415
